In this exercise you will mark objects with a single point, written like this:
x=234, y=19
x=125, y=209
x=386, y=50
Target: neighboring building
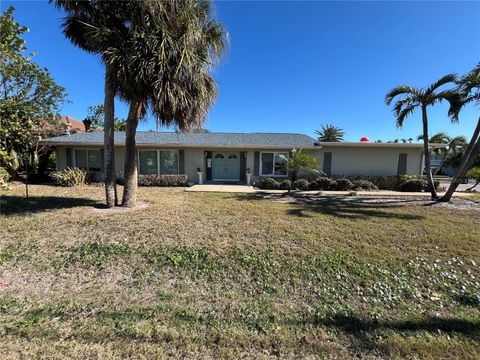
x=73, y=125
x=229, y=156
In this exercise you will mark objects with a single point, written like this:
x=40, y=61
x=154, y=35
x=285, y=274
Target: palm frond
x=401, y=90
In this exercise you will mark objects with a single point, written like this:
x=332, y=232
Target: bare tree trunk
x=130, y=168
x=108, y=143
x=426, y=150
x=468, y=159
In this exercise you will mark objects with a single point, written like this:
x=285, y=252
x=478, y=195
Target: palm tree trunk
x=473, y=150
x=108, y=143
x=426, y=150
x=130, y=169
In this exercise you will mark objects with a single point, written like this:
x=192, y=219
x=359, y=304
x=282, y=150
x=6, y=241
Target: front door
x=226, y=166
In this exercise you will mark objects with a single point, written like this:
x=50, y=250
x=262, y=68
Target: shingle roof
x=210, y=139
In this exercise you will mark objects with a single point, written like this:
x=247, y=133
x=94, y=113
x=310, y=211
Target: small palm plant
x=330, y=133
x=411, y=99
x=299, y=159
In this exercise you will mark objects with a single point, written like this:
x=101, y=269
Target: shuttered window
x=327, y=163
x=402, y=164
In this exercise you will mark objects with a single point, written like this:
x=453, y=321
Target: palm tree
x=298, y=160
x=163, y=66
x=468, y=87
x=412, y=98
x=98, y=27
x=330, y=133
x=439, y=138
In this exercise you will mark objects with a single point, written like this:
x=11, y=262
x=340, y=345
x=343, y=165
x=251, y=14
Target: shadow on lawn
x=343, y=207
x=17, y=205
x=363, y=334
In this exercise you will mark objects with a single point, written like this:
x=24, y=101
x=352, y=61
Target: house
x=72, y=124
x=228, y=157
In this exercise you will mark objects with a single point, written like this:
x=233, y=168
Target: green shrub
x=162, y=180
x=300, y=184
x=344, y=185
x=310, y=174
x=413, y=185
x=70, y=177
x=364, y=185
x=269, y=184
x=323, y=183
x=4, y=175
x=285, y=185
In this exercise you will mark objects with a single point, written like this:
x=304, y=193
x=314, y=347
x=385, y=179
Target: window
x=157, y=162
x=148, y=162
x=169, y=162
x=273, y=164
x=88, y=159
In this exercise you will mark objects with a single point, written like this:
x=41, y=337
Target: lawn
x=208, y=275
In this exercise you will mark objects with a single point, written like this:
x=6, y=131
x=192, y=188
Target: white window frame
x=158, y=160
x=74, y=156
x=273, y=167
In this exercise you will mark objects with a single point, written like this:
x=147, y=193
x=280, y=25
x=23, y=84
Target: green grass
x=199, y=275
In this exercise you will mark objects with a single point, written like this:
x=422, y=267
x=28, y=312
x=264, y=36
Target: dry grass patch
x=234, y=275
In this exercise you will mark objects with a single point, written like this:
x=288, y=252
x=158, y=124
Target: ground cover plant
x=201, y=275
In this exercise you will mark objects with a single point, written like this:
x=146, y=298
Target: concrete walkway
x=250, y=189
x=221, y=188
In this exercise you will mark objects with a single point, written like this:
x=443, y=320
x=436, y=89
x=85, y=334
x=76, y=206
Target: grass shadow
x=18, y=205
x=339, y=206
x=363, y=331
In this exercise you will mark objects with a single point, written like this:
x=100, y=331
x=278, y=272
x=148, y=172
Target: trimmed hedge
x=347, y=183
x=364, y=185
x=323, y=183
x=162, y=180
x=301, y=184
x=344, y=185
x=285, y=185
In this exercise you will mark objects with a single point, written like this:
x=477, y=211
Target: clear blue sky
x=293, y=66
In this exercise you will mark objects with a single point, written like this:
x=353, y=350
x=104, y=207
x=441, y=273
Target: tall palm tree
x=97, y=27
x=468, y=87
x=412, y=98
x=164, y=66
x=330, y=133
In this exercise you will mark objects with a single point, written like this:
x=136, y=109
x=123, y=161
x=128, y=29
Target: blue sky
x=293, y=66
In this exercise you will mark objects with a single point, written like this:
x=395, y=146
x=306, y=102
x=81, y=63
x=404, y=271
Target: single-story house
x=226, y=157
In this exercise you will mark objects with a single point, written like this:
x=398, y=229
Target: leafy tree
x=330, y=133
x=474, y=173
x=410, y=99
x=468, y=87
x=96, y=116
x=164, y=65
x=30, y=102
x=100, y=27
x=298, y=160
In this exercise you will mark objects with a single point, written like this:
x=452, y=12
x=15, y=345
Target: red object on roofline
x=364, y=139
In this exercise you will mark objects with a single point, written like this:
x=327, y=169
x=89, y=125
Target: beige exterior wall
x=61, y=157
x=371, y=161
x=345, y=160
x=194, y=159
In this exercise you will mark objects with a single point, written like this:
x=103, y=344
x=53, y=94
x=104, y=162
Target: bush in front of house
x=162, y=180
x=265, y=183
x=323, y=183
x=364, y=185
x=285, y=185
x=4, y=175
x=70, y=177
x=344, y=185
x=413, y=185
x=300, y=184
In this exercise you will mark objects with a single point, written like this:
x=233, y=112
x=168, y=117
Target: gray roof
x=210, y=139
